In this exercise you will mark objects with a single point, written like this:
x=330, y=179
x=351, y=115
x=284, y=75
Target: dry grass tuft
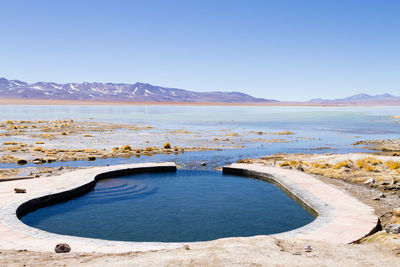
x=167, y=145
x=393, y=165
x=126, y=148
x=344, y=164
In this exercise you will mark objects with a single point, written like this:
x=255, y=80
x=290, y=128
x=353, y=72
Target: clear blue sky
x=287, y=50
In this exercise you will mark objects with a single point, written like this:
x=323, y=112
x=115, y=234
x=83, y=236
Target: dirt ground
x=254, y=251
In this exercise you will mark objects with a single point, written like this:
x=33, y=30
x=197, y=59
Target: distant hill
x=360, y=99
x=138, y=92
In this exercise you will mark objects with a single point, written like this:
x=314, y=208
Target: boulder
x=393, y=228
x=62, y=248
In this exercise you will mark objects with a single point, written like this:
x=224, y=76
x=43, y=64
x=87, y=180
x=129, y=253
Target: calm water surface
x=174, y=207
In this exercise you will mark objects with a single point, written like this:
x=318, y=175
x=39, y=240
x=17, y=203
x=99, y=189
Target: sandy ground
x=254, y=251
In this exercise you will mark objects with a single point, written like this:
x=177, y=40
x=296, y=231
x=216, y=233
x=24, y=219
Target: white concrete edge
x=8, y=216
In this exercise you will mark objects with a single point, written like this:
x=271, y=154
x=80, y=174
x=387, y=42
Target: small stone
x=38, y=161
x=393, y=228
x=186, y=247
x=203, y=164
x=91, y=158
x=396, y=212
x=376, y=198
x=297, y=254
x=307, y=248
x=62, y=248
x=19, y=190
x=299, y=168
x=382, y=196
x=370, y=181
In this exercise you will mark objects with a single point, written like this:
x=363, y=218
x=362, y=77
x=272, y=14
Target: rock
x=91, y=158
x=376, y=198
x=382, y=196
x=307, y=248
x=22, y=162
x=393, y=228
x=299, y=168
x=396, y=212
x=62, y=248
x=20, y=190
x=38, y=161
x=370, y=181
x=186, y=247
x=203, y=164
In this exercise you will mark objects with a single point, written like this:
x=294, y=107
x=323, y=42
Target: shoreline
x=58, y=102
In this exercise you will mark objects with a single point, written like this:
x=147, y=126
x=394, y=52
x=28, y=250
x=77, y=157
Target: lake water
x=316, y=129
x=173, y=207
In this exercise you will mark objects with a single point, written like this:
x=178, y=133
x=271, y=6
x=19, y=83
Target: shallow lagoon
x=316, y=129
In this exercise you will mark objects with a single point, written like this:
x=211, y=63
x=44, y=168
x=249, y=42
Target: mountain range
x=144, y=92
x=138, y=92
x=360, y=99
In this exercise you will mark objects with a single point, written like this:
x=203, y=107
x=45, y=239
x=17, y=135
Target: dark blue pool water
x=174, y=207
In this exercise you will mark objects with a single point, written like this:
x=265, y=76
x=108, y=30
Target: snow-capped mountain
x=359, y=99
x=138, y=92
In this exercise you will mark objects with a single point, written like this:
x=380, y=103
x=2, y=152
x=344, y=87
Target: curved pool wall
x=47, y=200
x=182, y=206
x=341, y=218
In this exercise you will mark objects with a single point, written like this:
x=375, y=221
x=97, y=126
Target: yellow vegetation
x=39, y=142
x=319, y=165
x=282, y=133
x=126, y=148
x=10, y=143
x=292, y=163
x=39, y=149
x=344, y=163
x=369, y=164
x=393, y=165
x=167, y=145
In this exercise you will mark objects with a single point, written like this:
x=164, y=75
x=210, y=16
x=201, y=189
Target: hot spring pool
x=173, y=207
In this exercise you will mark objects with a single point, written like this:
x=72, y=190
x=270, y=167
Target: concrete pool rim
x=26, y=237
